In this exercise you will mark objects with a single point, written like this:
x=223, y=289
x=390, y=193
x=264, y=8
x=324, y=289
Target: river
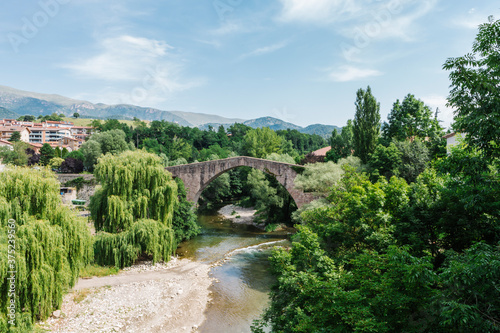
x=243, y=280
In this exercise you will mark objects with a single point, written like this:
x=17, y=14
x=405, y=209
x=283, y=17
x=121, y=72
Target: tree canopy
x=261, y=142
x=134, y=208
x=51, y=245
x=409, y=119
x=474, y=94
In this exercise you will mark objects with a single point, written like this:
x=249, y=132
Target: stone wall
x=65, y=177
x=86, y=192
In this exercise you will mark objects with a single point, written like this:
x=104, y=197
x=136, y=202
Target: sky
x=298, y=60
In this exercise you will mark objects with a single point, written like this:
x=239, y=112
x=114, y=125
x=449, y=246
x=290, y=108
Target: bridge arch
x=197, y=176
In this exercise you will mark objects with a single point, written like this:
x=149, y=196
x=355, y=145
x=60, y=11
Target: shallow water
x=244, y=280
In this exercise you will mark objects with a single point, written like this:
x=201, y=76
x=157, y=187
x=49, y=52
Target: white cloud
x=393, y=19
x=350, y=73
x=445, y=113
x=264, y=50
x=361, y=19
x=471, y=21
x=121, y=58
x=318, y=11
x=140, y=71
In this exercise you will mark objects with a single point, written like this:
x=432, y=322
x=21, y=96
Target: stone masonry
x=197, y=176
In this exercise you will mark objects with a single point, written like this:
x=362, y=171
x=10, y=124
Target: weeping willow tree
x=133, y=209
x=43, y=242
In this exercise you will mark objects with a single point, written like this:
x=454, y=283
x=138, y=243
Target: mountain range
x=15, y=103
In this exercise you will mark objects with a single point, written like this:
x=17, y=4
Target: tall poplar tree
x=366, y=124
x=133, y=209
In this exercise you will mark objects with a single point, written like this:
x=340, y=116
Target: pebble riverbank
x=169, y=297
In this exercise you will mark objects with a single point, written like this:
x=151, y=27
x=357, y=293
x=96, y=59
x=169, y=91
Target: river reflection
x=244, y=280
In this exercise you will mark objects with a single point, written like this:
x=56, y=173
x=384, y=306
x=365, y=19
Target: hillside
x=197, y=119
x=324, y=131
x=5, y=113
x=273, y=123
x=24, y=102
x=14, y=102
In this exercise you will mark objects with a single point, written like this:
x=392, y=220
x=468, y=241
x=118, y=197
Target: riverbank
x=240, y=215
x=169, y=297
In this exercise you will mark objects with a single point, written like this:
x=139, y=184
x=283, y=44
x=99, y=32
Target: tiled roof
x=322, y=151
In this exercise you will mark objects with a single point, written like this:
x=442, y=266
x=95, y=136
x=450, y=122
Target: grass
x=87, y=121
x=271, y=227
x=80, y=295
x=95, y=270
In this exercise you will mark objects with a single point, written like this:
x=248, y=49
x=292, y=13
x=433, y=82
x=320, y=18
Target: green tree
x=26, y=118
x=184, y=222
x=76, y=154
x=57, y=152
x=52, y=245
x=385, y=161
x=218, y=191
x=91, y=151
x=46, y=154
x=261, y=142
x=134, y=208
x=341, y=145
x=15, y=156
x=410, y=119
x=319, y=178
x=76, y=115
x=16, y=136
x=366, y=126
x=475, y=79
x=415, y=157
x=180, y=148
x=112, y=141
x=64, y=152
x=470, y=301
x=55, y=163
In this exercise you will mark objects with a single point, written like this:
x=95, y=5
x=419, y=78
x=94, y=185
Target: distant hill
x=275, y=124
x=14, y=102
x=324, y=131
x=7, y=114
x=25, y=102
x=197, y=119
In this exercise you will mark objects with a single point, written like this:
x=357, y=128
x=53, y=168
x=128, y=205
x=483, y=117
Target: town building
x=452, y=140
x=7, y=131
x=61, y=134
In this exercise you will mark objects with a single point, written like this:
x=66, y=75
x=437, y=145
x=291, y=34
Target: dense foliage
x=51, y=245
x=410, y=119
x=133, y=209
x=342, y=145
x=393, y=257
x=475, y=79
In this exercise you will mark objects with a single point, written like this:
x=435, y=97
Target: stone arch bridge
x=197, y=176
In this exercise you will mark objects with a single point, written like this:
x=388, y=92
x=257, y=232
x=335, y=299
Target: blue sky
x=298, y=60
